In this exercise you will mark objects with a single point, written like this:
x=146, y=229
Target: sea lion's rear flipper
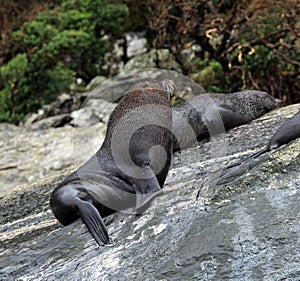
x=93, y=221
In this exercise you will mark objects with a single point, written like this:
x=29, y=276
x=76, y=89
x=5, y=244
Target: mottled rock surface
x=155, y=58
x=242, y=227
x=55, y=114
x=136, y=43
x=29, y=156
x=112, y=89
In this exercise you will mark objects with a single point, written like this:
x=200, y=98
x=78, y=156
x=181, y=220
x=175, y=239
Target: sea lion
x=131, y=166
x=287, y=132
x=194, y=118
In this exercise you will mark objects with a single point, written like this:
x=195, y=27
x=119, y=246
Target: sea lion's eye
x=146, y=163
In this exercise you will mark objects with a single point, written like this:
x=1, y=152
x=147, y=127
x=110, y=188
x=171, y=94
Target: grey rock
x=64, y=104
x=166, y=60
x=136, y=43
x=243, y=227
x=112, y=89
x=92, y=112
x=95, y=82
x=28, y=156
x=84, y=117
x=146, y=60
x=155, y=58
x=51, y=122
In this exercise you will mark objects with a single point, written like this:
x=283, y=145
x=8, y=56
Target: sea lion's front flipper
x=93, y=221
x=146, y=191
x=247, y=159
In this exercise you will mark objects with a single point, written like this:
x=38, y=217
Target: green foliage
x=12, y=77
x=52, y=50
x=210, y=75
x=259, y=60
x=14, y=70
x=34, y=34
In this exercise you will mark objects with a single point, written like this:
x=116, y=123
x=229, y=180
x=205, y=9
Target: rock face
x=28, y=156
x=112, y=89
x=244, y=226
x=55, y=114
x=155, y=58
x=136, y=43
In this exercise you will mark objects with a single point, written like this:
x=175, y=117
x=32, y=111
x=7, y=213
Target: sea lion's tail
x=93, y=221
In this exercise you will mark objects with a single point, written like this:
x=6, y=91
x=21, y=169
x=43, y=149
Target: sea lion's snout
x=278, y=102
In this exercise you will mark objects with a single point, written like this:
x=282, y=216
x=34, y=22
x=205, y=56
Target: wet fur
x=82, y=193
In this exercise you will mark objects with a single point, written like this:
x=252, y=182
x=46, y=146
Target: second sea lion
x=131, y=166
x=287, y=132
x=195, y=116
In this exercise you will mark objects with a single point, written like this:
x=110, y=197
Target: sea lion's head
x=166, y=85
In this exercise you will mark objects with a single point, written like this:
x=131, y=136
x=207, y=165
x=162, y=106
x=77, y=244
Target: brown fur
x=99, y=186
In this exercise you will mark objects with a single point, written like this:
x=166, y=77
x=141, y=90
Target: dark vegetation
x=225, y=45
x=67, y=41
